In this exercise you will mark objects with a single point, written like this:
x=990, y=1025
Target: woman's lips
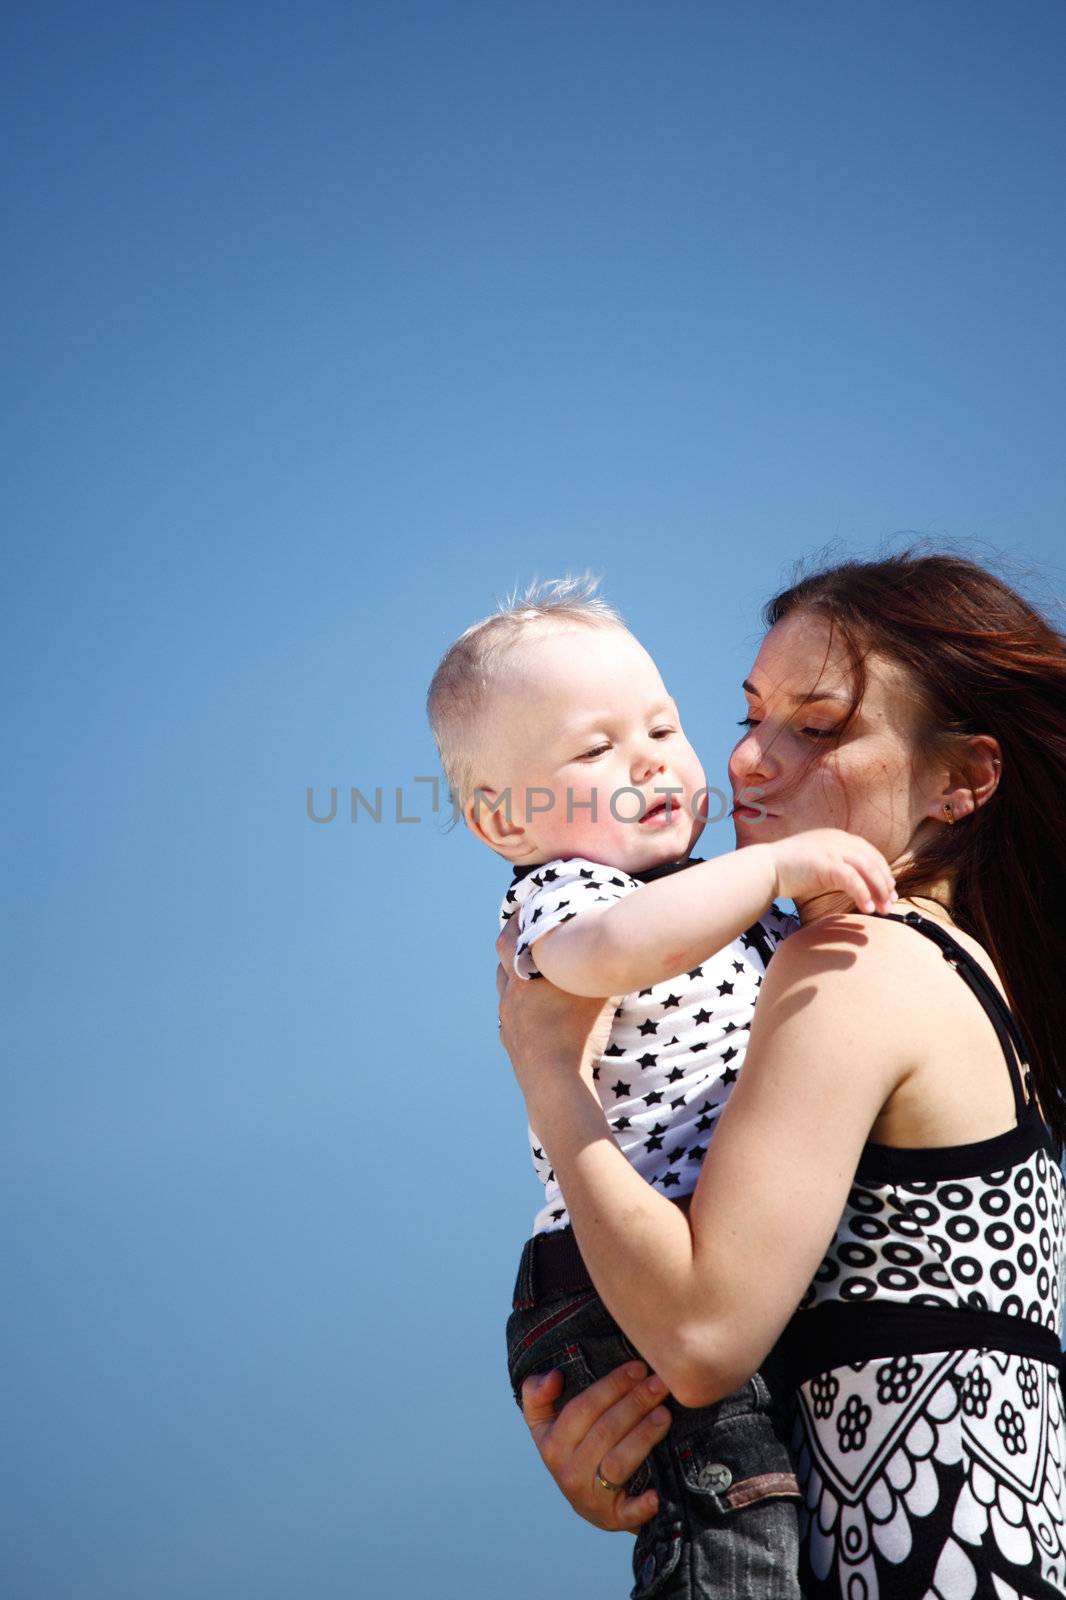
x=750, y=812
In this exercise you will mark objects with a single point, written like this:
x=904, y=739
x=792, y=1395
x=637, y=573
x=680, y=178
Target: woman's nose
x=748, y=760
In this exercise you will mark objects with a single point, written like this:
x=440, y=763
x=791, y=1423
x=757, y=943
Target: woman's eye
x=810, y=733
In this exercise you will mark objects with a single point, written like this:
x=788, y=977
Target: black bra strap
x=996, y=1009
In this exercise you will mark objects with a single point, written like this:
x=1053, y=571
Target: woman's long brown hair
x=981, y=660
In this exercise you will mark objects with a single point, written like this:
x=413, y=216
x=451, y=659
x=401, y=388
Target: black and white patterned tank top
x=929, y=1431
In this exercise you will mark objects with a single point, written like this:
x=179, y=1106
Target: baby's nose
x=647, y=765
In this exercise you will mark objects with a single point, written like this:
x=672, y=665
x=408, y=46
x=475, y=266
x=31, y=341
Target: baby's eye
x=588, y=755
x=661, y=733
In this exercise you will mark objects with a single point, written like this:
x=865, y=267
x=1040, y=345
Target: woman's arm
x=680, y=920
x=705, y=1296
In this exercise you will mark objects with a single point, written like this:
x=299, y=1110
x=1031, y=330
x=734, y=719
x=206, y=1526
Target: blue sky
x=324, y=327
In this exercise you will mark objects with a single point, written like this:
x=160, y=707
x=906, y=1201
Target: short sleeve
x=558, y=892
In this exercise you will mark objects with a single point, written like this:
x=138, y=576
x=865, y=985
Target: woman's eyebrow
x=801, y=699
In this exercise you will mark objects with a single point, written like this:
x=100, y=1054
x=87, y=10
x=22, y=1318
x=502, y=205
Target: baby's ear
x=488, y=815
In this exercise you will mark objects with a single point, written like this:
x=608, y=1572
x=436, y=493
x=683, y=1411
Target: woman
x=887, y=1163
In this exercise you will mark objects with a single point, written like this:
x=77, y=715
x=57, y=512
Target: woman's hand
x=608, y=1429
x=543, y=1029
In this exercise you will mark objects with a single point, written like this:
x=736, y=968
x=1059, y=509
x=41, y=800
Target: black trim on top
x=987, y=994
x=662, y=871
x=839, y=1333
x=888, y=1163
x=665, y=869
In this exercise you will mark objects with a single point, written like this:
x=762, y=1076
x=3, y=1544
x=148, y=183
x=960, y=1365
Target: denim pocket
x=577, y=1336
x=728, y=1522
x=736, y=1458
x=657, y=1553
x=545, y=1338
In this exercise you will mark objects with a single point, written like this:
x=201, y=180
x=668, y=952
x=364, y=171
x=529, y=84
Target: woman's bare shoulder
x=863, y=940
x=833, y=993
x=882, y=956
x=872, y=987
x=875, y=959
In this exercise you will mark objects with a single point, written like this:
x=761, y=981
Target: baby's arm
x=677, y=921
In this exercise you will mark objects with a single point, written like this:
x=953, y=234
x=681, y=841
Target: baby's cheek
x=591, y=827
x=567, y=826
x=585, y=814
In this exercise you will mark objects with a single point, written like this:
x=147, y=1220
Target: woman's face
x=870, y=782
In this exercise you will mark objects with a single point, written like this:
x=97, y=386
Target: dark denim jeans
x=727, y=1526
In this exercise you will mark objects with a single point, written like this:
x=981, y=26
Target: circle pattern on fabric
x=961, y=1453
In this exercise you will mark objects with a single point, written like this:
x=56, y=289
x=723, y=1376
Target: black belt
x=830, y=1335
x=835, y=1334
x=551, y=1265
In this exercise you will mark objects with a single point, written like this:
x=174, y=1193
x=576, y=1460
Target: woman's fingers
x=641, y=1508
x=579, y=1414
x=609, y=1430
x=505, y=948
x=539, y=1396
x=611, y=1435
x=613, y=1449
x=622, y=1459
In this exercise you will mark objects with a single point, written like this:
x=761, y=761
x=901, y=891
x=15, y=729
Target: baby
x=565, y=755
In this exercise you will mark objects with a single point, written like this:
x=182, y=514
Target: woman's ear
x=488, y=815
x=972, y=780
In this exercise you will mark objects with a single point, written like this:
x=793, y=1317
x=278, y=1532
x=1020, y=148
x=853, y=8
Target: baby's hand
x=829, y=858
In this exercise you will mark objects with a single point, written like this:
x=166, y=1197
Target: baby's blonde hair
x=463, y=681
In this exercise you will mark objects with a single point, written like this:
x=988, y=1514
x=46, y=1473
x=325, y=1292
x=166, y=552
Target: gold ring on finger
x=605, y=1483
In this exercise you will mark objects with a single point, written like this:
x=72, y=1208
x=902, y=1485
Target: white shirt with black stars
x=675, y=1049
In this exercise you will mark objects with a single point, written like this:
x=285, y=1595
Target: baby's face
x=580, y=720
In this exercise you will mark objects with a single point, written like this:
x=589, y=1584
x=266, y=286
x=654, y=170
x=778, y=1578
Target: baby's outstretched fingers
x=879, y=885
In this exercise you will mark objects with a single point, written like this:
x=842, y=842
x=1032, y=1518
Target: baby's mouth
x=657, y=812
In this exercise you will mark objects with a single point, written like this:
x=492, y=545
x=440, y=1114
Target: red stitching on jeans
x=558, y=1316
